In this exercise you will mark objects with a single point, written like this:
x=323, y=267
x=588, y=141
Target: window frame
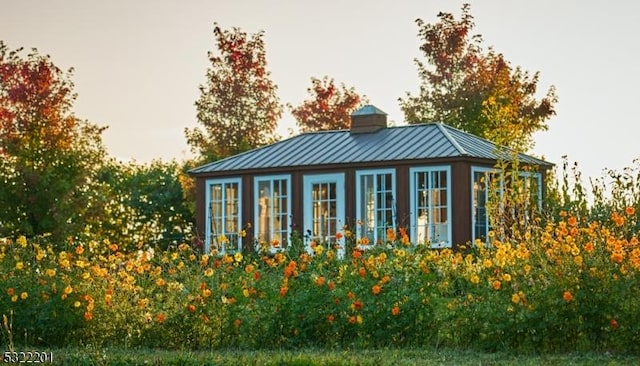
x=359, y=214
x=324, y=178
x=414, y=202
x=498, y=174
x=208, y=214
x=256, y=204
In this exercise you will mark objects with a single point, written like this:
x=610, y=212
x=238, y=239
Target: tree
x=329, y=108
x=144, y=205
x=47, y=155
x=476, y=91
x=238, y=106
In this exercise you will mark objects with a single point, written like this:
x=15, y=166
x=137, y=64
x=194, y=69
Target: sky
x=138, y=64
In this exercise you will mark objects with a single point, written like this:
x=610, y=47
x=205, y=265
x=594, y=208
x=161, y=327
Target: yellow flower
x=51, y=272
x=14, y=298
x=242, y=233
x=19, y=265
x=24, y=295
x=506, y=277
x=208, y=272
x=515, y=298
x=238, y=257
x=22, y=241
x=77, y=304
x=475, y=279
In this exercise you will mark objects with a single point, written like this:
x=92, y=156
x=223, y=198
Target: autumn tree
x=475, y=90
x=238, y=107
x=47, y=154
x=329, y=107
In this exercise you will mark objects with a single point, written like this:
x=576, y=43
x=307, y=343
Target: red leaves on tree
x=238, y=106
x=329, y=108
x=476, y=91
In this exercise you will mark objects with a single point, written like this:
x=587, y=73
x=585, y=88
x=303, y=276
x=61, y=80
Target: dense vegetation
x=564, y=284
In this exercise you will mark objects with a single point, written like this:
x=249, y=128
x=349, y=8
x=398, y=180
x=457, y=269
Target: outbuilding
x=431, y=179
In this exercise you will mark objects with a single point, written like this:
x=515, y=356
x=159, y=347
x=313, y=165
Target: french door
x=324, y=210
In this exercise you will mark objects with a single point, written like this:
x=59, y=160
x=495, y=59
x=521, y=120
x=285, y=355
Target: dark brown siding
x=247, y=210
x=297, y=215
x=403, y=197
x=200, y=208
x=461, y=203
x=350, y=197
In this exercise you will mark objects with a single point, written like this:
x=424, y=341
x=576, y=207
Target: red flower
x=614, y=324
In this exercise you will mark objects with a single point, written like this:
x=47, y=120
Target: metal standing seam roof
x=410, y=142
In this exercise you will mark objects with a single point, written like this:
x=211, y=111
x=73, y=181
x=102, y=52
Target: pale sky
x=138, y=64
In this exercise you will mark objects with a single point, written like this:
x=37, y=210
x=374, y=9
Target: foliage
x=476, y=91
x=238, y=105
x=563, y=283
x=144, y=204
x=48, y=156
x=329, y=107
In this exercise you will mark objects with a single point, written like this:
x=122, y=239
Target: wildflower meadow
x=569, y=281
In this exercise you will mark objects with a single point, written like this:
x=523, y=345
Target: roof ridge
x=453, y=141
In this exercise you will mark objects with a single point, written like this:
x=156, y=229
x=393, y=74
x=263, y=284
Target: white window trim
x=477, y=169
x=308, y=181
x=208, y=233
x=256, y=200
x=413, y=203
x=359, y=213
x=538, y=178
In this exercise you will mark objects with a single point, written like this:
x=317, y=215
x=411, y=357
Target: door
x=324, y=210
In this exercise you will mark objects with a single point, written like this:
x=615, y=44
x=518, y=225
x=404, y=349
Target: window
x=375, y=204
x=482, y=180
x=223, y=215
x=518, y=199
x=430, y=206
x=272, y=210
x=324, y=210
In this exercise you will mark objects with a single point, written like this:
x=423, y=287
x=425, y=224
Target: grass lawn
x=394, y=357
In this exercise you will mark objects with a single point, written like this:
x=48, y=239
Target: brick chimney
x=368, y=119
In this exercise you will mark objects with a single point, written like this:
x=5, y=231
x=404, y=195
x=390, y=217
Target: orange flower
x=352, y=319
x=237, y=322
x=351, y=295
x=572, y=221
x=614, y=324
x=376, y=289
x=320, y=281
x=88, y=316
x=160, y=317
x=331, y=285
x=496, y=285
x=256, y=276
x=588, y=247
x=338, y=236
x=630, y=211
x=330, y=318
x=79, y=250
x=11, y=291
x=362, y=272
x=356, y=253
x=391, y=235
x=283, y=291
x=617, y=256
x=191, y=308
x=567, y=296
x=395, y=311
x=364, y=241
x=357, y=305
